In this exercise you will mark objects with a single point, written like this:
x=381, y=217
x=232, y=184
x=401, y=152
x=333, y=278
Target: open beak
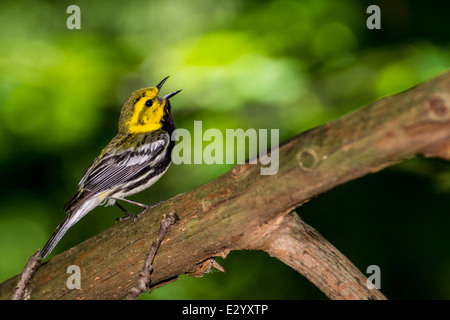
x=168, y=96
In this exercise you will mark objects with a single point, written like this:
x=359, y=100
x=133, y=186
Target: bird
x=135, y=159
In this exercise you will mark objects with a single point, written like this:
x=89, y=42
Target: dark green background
x=287, y=65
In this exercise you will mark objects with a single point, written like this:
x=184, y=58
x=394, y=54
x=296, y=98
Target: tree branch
x=302, y=248
x=245, y=210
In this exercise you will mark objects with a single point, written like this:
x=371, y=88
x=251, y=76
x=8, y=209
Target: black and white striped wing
x=114, y=170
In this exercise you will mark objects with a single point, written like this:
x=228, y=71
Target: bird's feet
x=129, y=215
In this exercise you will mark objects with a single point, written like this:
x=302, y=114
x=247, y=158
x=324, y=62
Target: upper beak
x=170, y=95
x=159, y=85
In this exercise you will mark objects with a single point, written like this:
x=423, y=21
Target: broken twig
x=144, y=279
x=21, y=291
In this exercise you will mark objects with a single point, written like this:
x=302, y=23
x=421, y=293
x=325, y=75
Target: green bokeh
x=288, y=65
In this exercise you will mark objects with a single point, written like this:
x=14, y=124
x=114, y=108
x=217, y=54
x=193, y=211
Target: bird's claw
x=120, y=219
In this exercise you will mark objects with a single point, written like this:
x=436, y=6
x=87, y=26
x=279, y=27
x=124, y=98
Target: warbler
x=135, y=159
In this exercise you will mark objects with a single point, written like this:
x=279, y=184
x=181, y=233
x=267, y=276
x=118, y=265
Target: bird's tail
x=72, y=217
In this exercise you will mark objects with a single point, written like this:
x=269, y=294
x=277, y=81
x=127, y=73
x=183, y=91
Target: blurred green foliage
x=284, y=64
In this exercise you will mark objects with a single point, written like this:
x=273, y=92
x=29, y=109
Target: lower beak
x=170, y=95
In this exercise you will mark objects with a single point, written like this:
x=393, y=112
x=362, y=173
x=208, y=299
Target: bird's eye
x=149, y=103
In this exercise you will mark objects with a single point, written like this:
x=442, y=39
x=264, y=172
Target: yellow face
x=143, y=112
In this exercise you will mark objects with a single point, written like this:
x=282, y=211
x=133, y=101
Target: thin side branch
x=21, y=291
x=144, y=280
